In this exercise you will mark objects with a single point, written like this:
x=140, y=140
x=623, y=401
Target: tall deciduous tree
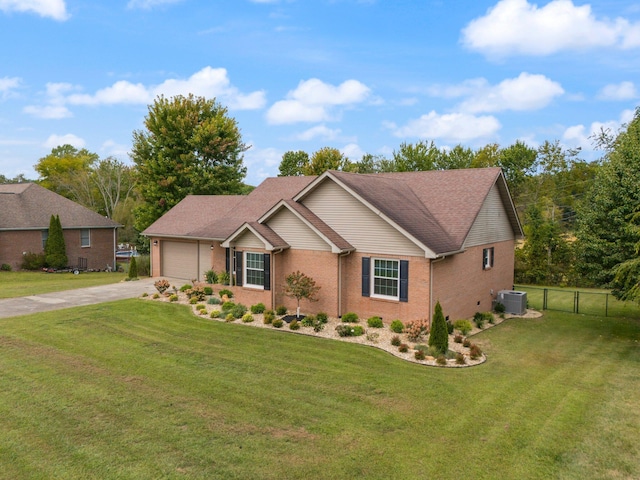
x=326, y=158
x=416, y=157
x=605, y=234
x=189, y=146
x=60, y=170
x=293, y=164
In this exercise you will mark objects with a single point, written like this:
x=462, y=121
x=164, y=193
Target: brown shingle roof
x=28, y=206
x=218, y=216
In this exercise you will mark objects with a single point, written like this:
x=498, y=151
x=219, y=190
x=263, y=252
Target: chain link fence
x=578, y=301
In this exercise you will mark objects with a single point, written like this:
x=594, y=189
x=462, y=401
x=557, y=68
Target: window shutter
x=404, y=281
x=238, y=268
x=227, y=262
x=366, y=276
x=267, y=271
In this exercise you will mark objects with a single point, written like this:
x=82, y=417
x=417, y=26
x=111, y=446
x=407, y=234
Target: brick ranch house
x=387, y=244
x=25, y=214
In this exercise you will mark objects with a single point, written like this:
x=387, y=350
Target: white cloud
x=55, y=9
x=261, y=163
x=111, y=148
x=48, y=112
x=526, y=92
x=56, y=140
x=208, y=82
x=580, y=135
x=8, y=85
x=313, y=101
x=514, y=27
x=319, y=131
x=149, y=4
x=457, y=127
x=619, y=91
x=352, y=151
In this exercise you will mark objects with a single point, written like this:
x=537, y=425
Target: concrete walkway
x=12, y=307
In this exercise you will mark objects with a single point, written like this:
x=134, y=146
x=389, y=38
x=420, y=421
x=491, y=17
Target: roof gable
x=28, y=206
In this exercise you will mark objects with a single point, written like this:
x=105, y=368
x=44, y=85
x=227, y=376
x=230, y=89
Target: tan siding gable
x=249, y=240
x=356, y=223
x=293, y=231
x=492, y=224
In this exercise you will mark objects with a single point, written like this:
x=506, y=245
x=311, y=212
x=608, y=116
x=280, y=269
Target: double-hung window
x=45, y=236
x=254, y=270
x=487, y=258
x=386, y=276
x=85, y=237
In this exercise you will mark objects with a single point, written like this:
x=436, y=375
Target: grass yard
x=21, y=284
x=139, y=389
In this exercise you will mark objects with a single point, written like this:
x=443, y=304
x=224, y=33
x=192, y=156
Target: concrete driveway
x=12, y=307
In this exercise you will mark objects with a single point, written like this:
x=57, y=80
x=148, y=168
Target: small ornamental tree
x=299, y=286
x=439, y=337
x=55, y=250
x=133, y=269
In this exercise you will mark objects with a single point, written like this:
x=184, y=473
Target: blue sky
x=359, y=75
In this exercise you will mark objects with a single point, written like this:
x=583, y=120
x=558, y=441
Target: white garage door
x=179, y=260
x=205, y=259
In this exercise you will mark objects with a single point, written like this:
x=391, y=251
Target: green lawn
x=137, y=389
x=20, y=284
x=590, y=301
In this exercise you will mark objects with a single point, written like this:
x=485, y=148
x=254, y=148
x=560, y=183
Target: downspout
x=273, y=276
x=115, y=242
x=340, y=281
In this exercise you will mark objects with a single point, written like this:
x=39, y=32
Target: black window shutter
x=366, y=276
x=238, y=268
x=404, y=281
x=227, y=262
x=267, y=271
x=492, y=257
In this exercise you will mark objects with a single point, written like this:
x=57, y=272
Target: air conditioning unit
x=514, y=302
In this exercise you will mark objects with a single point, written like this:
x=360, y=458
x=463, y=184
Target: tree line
x=581, y=219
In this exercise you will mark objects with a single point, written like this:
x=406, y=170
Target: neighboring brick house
x=387, y=244
x=25, y=214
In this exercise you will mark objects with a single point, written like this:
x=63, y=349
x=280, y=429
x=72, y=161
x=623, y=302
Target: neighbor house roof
x=215, y=217
x=28, y=206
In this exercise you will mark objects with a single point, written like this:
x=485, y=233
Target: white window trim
x=372, y=275
x=89, y=231
x=245, y=283
x=487, y=258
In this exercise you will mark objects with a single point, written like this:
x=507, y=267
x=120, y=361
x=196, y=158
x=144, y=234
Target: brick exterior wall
x=98, y=255
x=154, y=256
x=461, y=285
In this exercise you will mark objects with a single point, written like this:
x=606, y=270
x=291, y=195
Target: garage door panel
x=180, y=260
x=204, y=259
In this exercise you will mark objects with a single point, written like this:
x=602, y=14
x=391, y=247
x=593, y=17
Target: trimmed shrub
x=33, y=261
x=318, y=325
x=441, y=360
x=223, y=278
x=499, y=308
x=156, y=296
x=350, y=317
x=460, y=360
x=322, y=317
x=227, y=306
x=375, y=322
x=211, y=277
x=173, y=298
x=397, y=326
x=277, y=323
x=308, y=321
x=464, y=326
x=478, y=319
x=5, y=267
x=258, y=308
x=281, y=310
x=214, y=301
x=201, y=306
x=215, y=314
x=419, y=355
x=133, y=269
x=457, y=339
x=415, y=329
x=466, y=343
x=475, y=351
x=185, y=287
x=268, y=317
x=193, y=300
x=439, y=338
x=294, y=325
x=403, y=348
x=349, y=330
x=238, y=310
x=395, y=341
x=247, y=318
x=207, y=290
x=229, y=317
x=226, y=292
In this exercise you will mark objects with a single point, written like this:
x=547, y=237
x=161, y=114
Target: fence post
x=544, y=299
x=577, y=301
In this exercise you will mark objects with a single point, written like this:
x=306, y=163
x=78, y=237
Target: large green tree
x=605, y=235
x=293, y=164
x=326, y=158
x=190, y=145
x=62, y=169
